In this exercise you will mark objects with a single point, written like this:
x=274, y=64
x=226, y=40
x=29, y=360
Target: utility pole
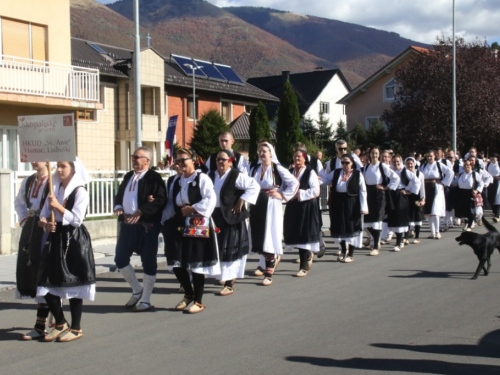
x=137, y=76
x=454, y=100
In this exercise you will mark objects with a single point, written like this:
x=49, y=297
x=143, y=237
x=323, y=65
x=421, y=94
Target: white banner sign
x=47, y=138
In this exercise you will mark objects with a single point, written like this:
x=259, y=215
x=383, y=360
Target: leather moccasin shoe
x=143, y=306
x=134, y=299
x=71, y=335
x=56, y=332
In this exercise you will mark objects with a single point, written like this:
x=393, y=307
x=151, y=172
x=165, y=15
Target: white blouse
x=342, y=187
x=431, y=171
x=243, y=182
x=288, y=186
x=373, y=176
x=313, y=191
x=413, y=182
x=76, y=215
x=20, y=204
x=466, y=181
x=204, y=207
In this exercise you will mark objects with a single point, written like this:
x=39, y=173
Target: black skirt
x=376, y=199
x=68, y=258
x=464, y=204
x=190, y=252
x=301, y=222
x=258, y=217
x=29, y=257
x=430, y=195
x=345, y=215
x=492, y=194
x=232, y=239
x=400, y=216
x=415, y=212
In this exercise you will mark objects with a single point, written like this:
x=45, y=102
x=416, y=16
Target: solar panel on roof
x=183, y=61
x=209, y=70
x=97, y=48
x=229, y=73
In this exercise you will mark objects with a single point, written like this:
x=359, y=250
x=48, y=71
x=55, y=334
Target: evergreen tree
x=341, y=131
x=309, y=130
x=288, y=125
x=324, y=135
x=259, y=129
x=358, y=137
x=205, y=139
x=376, y=135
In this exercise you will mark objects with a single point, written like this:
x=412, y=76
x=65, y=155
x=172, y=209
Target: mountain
x=254, y=41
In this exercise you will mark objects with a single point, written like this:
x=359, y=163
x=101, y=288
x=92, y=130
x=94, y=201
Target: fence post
x=5, y=214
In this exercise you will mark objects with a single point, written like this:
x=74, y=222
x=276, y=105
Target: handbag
x=197, y=226
x=477, y=200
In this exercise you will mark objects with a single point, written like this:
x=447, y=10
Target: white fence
x=44, y=78
x=102, y=189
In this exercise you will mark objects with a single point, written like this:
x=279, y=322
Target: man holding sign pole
x=139, y=225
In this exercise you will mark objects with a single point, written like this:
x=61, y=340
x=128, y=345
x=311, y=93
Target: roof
x=382, y=71
x=118, y=60
x=307, y=86
x=240, y=128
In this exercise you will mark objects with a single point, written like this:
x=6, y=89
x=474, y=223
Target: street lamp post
x=193, y=68
x=454, y=100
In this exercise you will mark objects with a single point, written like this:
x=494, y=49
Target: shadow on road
x=487, y=346
x=431, y=274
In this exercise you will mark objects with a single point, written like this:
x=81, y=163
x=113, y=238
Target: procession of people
x=213, y=216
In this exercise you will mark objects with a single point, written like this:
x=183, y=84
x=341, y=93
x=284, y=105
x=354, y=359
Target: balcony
x=43, y=79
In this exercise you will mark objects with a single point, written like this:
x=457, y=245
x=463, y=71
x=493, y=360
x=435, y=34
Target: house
x=36, y=74
x=368, y=101
x=317, y=91
x=166, y=90
x=240, y=128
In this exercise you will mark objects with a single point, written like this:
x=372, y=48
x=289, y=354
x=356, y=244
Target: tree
x=288, y=126
x=358, y=137
x=259, y=129
x=376, y=136
x=421, y=114
x=309, y=129
x=495, y=45
x=205, y=139
x=341, y=131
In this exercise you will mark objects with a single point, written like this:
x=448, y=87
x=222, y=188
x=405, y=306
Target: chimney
x=285, y=74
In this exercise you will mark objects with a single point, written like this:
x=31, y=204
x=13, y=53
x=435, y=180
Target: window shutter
x=38, y=41
x=15, y=38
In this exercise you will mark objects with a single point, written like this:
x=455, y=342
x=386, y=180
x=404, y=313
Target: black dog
x=483, y=246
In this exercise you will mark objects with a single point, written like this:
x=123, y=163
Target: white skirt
x=398, y=229
x=354, y=241
x=376, y=225
x=83, y=292
x=439, y=204
x=234, y=269
x=314, y=247
x=37, y=299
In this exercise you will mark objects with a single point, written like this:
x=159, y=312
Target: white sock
x=149, y=283
x=384, y=231
x=437, y=224
x=432, y=225
x=129, y=275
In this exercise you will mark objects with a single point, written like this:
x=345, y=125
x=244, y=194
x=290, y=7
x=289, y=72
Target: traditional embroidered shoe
x=143, y=306
x=416, y=241
x=496, y=219
x=468, y=230
x=411, y=234
x=437, y=236
x=396, y=248
x=302, y=273
x=259, y=271
x=134, y=299
x=374, y=252
x=458, y=222
x=348, y=259
x=184, y=302
x=56, y=332
x=341, y=257
x=196, y=308
x=267, y=281
x=321, y=252
x=473, y=225
x=388, y=238
x=431, y=236
x=70, y=335
x=406, y=242
x=226, y=291
x=480, y=222
x=34, y=334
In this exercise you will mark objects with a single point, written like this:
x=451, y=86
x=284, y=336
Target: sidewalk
x=104, y=262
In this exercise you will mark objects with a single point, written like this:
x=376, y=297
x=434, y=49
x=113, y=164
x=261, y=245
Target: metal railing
x=44, y=78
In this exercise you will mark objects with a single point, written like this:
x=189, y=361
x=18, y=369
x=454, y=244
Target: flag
x=169, y=140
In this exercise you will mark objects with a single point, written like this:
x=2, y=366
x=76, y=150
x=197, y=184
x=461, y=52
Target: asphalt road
x=414, y=312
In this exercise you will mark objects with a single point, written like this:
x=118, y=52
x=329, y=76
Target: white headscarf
x=274, y=159
x=80, y=178
x=410, y=158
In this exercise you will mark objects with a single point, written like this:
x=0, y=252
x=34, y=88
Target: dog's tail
x=488, y=226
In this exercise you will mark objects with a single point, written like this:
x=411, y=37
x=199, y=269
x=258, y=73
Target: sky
x=419, y=20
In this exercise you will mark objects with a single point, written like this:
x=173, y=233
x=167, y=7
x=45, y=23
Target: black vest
x=313, y=163
x=352, y=184
x=333, y=162
x=228, y=196
x=27, y=192
x=194, y=194
x=276, y=176
x=404, y=177
x=213, y=161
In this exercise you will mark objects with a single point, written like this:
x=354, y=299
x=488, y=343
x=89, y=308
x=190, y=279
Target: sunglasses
x=345, y=162
x=182, y=160
x=222, y=159
x=450, y=158
x=136, y=157
x=342, y=148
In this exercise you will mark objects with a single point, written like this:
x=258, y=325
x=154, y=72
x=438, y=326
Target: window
x=249, y=108
x=226, y=111
x=371, y=120
x=148, y=101
x=190, y=109
x=85, y=115
x=324, y=107
x=23, y=39
x=390, y=90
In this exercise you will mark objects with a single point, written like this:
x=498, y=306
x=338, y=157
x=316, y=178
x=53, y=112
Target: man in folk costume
x=335, y=162
x=139, y=218
x=226, y=141
x=28, y=203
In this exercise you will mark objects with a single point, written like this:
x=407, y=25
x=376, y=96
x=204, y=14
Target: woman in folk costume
x=192, y=244
x=347, y=205
x=487, y=179
x=469, y=183
x=68, y=270
x=232, y=190
x=301, y=224
x=28, y=204
x=437, y=177
x=493, y=169
x=398, y=219
x=379, y=178
x=416, y=202
x=266, y=217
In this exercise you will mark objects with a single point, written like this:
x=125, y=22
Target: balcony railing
x=47, y=79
